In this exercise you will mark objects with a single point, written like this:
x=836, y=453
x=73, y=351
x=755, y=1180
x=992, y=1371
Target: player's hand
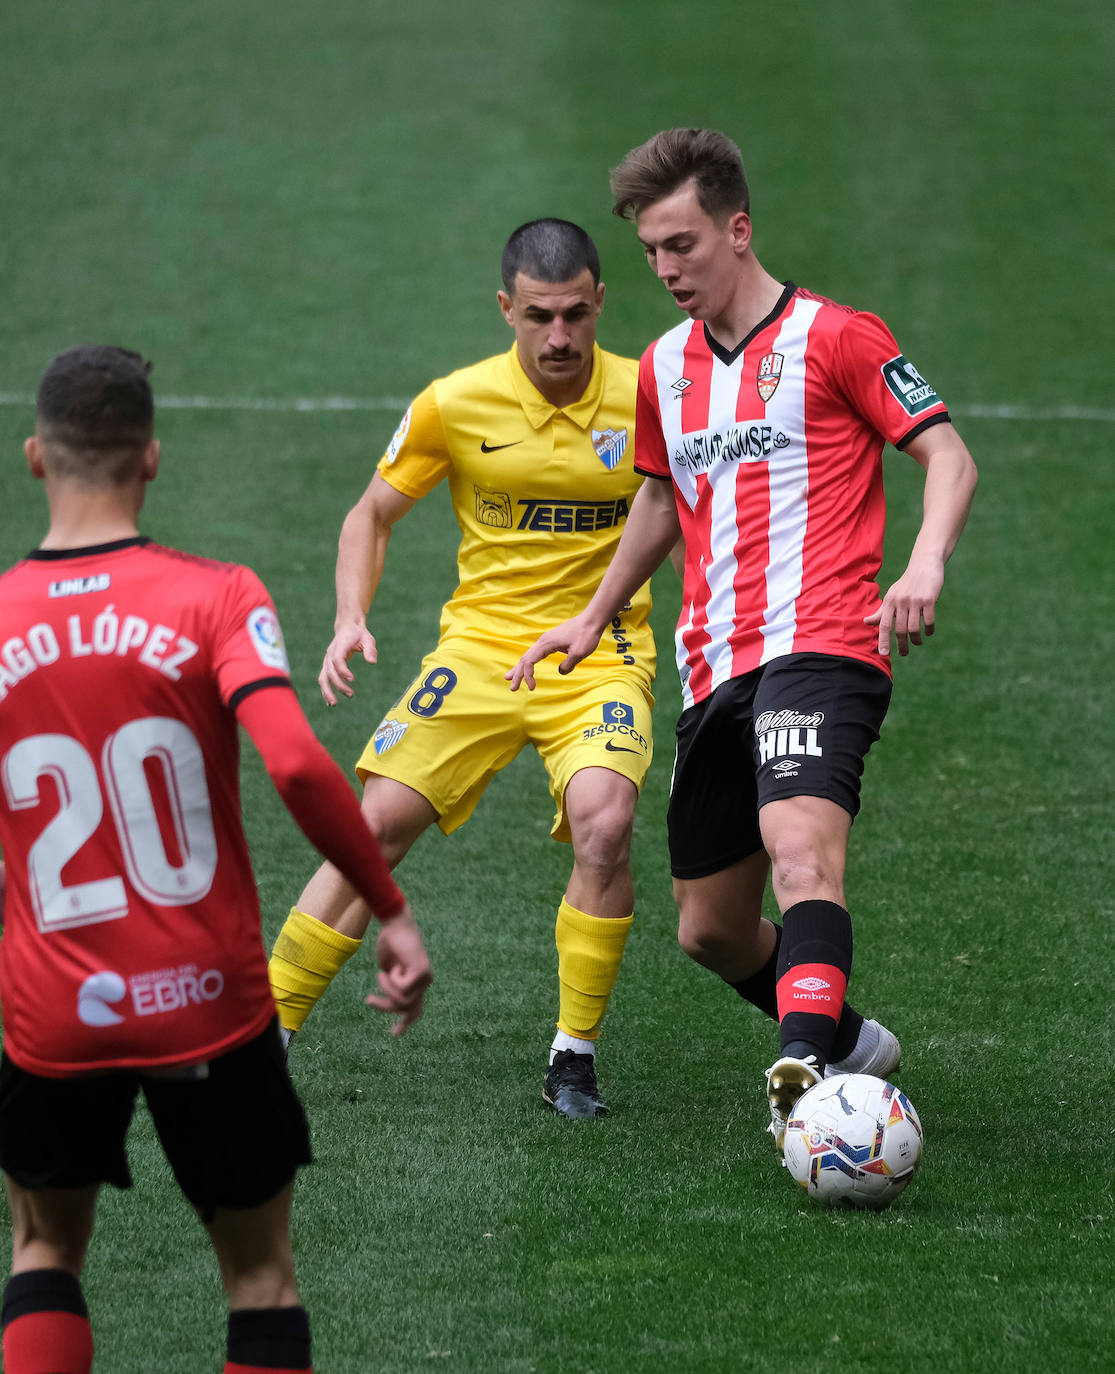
x=335, y=674
x=404, y=971
x=573, y=637
x=908, y=606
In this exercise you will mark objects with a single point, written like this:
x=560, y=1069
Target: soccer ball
x=853, y=1140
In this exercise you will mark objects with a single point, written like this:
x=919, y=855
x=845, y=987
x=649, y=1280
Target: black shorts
x=234, y=1137
x=799, y=726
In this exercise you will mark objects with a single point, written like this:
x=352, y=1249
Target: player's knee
x=705, y=940
x=801, y=866
x=603, y=845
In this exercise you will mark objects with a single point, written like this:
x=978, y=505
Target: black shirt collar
x=91, y=550
x=730, y=355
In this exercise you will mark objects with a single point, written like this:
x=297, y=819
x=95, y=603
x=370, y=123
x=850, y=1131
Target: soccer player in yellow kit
x=536, y=445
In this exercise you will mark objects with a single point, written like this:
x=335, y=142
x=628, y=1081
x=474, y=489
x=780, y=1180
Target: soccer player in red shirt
x=761, y=421
x=131, y=956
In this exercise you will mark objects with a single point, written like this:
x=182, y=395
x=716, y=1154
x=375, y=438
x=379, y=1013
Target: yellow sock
x=307, y=957
x=590, y=949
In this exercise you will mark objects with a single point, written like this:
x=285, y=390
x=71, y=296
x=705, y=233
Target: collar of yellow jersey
x=540, y=412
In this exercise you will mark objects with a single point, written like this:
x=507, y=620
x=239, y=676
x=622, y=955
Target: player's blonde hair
x=664, y=163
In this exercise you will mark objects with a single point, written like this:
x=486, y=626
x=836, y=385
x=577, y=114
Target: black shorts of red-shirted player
x=233, y=1132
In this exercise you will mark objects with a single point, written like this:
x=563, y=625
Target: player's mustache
x=563, y=355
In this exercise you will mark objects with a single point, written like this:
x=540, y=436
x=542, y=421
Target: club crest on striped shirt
x=609, y=445
x=769, y=374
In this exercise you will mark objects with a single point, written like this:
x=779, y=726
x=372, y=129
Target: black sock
x=272, y=1337
x=761, y=991
x=814, y=961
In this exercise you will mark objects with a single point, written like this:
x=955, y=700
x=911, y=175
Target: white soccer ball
x=853, y=1140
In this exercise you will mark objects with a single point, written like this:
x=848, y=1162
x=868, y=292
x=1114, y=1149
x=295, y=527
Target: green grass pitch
x=278, y=201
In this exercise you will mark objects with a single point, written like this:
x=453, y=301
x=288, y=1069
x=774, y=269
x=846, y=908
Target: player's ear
x=599, y=297
x=739, y=226
x=506, y=305
x=33, y=448
x=150, y=464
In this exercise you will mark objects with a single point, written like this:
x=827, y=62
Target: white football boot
x=876, y=1052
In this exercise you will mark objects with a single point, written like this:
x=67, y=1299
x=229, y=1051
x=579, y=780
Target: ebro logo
x=152, y=993
x=94, y=996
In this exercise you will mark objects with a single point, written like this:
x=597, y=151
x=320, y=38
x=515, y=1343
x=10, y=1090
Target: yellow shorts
x=459, y=723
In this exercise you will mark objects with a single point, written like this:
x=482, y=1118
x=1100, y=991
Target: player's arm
x=361, y=553
x=316, y=794
x=950, y=481
x=652, y=530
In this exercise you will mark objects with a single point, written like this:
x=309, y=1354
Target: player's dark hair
x=549, y=250
x=95, y=412
x=664, y=163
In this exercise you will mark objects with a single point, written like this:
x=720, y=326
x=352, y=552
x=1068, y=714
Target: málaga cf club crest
x=609, y=445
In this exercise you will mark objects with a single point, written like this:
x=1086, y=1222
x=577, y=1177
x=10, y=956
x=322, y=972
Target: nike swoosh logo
x=485, y=447
x=618, y=748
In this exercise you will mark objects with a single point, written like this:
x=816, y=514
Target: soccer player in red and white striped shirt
x=131, y=957
x=761, y=421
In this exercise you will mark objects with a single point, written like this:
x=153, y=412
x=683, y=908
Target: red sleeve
x=651, y=458
x=317, y=795
x=886, y=389
x=247, y=641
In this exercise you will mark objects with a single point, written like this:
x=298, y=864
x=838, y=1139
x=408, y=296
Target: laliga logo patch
x=397, y=438
x=267, y=638
x=94, y=995
x=609, y=445
x=388, y=734
x=769, y=374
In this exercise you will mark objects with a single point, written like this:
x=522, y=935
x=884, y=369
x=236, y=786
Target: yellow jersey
x=540, y=494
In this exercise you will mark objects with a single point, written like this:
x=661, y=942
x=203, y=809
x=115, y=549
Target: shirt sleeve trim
x=939, y=418
x=660, y=476
x=250, y=687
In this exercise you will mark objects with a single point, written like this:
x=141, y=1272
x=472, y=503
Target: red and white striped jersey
x=775, y=452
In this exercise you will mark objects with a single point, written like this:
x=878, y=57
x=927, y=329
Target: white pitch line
x=397, y=404
x=284, y=404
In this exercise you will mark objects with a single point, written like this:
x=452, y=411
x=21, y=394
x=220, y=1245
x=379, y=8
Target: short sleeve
x=248, y=648
x=651, y=458
x=883, y=385
x=417, y=457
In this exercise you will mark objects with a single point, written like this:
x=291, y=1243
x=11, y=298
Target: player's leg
x=235, y=1135
x=45, y=1320
x=324, y=929
x=60, y=1139
x=593, y=922
x=268, y=1328
x=594, y=736
x=816, y=718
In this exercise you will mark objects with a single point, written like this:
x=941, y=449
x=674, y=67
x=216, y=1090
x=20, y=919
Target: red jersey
x=775, y=452
x=131, y=926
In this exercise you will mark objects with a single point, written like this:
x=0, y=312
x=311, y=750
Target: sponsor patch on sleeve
x=908, y=387
x=397, y=438
x=267, y=638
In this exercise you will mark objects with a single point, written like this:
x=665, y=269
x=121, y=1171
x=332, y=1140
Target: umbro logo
x=811, y=984
x=485, y=447
x=682, y=384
